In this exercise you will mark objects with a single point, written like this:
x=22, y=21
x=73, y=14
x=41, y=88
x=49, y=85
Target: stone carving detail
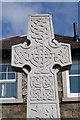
x=62, y=55
x=20, y=54
x=41, y=55
x=42, y=88
x=43, y=111
x=40, y=30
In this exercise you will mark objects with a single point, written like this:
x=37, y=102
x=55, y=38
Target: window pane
x=75, y=69
x=8, y=90
x=11, y=76
x=4, y=68
x=2, y=76
x=7, y=76
x=0, y=68
x=74, y=84
x=7, y=73
x=0, y=90
x=9, y=68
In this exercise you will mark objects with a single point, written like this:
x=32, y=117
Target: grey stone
x=0, y=112
x=41, y=58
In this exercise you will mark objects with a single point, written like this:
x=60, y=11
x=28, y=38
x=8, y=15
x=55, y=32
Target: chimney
x=75, y=32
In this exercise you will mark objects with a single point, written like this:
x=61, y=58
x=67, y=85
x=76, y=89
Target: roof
x=6, y=44
x=67, y=39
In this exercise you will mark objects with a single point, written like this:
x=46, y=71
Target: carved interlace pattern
x=39, y=29
x=42, y=55
x=42, y=88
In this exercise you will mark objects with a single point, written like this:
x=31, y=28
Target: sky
x=14, y=16
x=39, y=0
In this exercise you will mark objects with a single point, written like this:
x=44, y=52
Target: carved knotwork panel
x=41, y=56
x=40, y=29
x=42, y=88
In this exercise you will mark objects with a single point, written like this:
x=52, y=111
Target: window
x=8, y=82
x=10, y=86
x=74, y=80
x=71, y=82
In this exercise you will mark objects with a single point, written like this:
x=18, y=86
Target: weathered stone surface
x=69, y=110
x=24, y=87
x=0, y=112
x=14, y=111
x=9, y=111
x=41, y=60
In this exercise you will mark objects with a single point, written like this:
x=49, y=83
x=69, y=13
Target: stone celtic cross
x=41, y=58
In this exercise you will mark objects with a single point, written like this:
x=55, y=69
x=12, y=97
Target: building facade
x=13, y=85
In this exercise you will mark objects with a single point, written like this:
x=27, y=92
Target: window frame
x=19, y=98
x=67, y=96
x=8, y=80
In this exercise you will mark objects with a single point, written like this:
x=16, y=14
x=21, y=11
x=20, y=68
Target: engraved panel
x=39, y=28
x=43, y=111
x=42, y=88
x=20, y=53
x=62, y=55
x=41, y=57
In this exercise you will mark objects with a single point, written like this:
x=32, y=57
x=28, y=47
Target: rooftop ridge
x=25, y=35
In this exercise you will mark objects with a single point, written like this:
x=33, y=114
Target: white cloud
x=40, y=0
x=0, y=20
x=17, y=16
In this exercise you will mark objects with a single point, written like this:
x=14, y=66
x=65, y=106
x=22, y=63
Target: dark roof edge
x=25, y=35
x=8, y=42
